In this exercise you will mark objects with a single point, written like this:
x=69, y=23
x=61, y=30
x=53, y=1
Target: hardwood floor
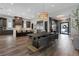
x=10, y=46
x=18, y=47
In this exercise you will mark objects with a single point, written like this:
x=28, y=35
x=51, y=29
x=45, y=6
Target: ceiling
x=30, y=10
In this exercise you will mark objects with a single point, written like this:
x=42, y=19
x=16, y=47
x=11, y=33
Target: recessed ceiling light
x=12, y=3
x=8, y=13
x=28, y=10
x=52, y=5
x=23, y=14
x=9, y=10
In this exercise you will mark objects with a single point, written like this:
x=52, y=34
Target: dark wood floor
x=18, y=47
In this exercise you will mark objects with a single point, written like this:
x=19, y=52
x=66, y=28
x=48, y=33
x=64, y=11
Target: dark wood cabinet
x=3, y=27
x=28, y=23
x=3, y=23
x=17, y=21
x=32, y=25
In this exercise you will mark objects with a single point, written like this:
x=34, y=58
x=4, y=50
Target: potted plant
x=75, y=25
x=75, y=22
